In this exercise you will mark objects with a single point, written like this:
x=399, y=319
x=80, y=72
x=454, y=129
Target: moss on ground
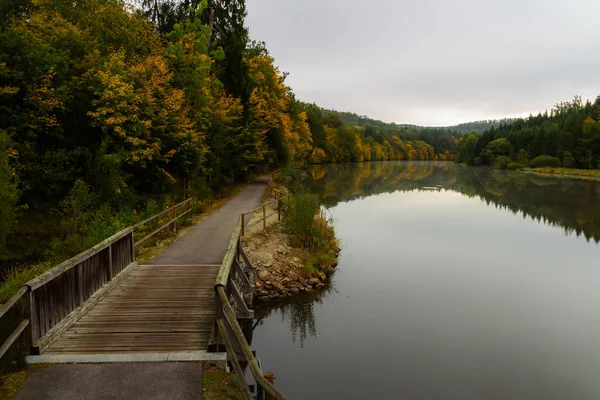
x=12, y=383
x=220, y=385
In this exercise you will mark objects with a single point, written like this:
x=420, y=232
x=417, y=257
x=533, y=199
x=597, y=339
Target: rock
x=279, y=287
x=313, y=282
x=263, y=293
x=281, y=249
x=320, y=285
x=286, y=281
x=258, y=285
x=268, y=263
x=322, y=276
x=263, y=275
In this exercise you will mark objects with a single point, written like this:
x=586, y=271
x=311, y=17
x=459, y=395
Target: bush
x=544, y=161
x=502, y=161
x=515, y=165
x=522, y=157
x=300, y=222
x=568, y=160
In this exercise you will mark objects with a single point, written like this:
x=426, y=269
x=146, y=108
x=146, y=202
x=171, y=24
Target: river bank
x=291, y=257
x=281, y=270
x=593, y=174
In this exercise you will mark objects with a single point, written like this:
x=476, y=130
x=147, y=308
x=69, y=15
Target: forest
x=108, y=109
x=566, y=136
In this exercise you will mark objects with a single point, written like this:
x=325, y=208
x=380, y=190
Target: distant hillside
x=480, y=126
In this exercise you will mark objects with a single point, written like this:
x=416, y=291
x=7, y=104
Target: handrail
x=49, y=300
x=12, y=301
x=246, y=350
x=160, y=214
x=20, y=328
x=226, y=313
x=73, y=261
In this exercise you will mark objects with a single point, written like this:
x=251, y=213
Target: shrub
x=502, y=161
x=522, y=157
x=544, y=161
x=568, y=160
x=301, y=219
x=515, y=165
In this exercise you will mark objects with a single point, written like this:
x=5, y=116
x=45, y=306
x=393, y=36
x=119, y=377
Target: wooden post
x=157, y=224
x=110, y=263
x=132, y=248
x=264, y=218
x=175, y=222
x=80, y=283
x=27, y=304
x=278, y=210
x=271, y=378
x=243, y=225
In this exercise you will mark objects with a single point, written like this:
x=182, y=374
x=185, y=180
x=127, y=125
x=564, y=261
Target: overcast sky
x=433, y=62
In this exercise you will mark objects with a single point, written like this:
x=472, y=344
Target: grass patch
x=220, y=385
x=312, y=232
x=567, y=172
x=12, y=383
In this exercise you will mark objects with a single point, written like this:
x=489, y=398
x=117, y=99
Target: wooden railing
x=55, y=294
x=229, y=331
x=176, y=212
x=281, y=206
x=53, y=301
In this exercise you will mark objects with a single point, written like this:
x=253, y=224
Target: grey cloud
x=433, y=62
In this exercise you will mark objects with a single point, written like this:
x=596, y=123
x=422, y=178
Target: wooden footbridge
x=102, y=306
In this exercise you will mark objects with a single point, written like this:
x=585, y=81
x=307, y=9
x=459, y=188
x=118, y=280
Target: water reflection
x=299, y=311
x=443, y=294
x=569, y=203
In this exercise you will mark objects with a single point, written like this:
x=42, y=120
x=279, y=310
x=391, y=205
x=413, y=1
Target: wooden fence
x=281, y=206
x=53, y=301
x=230, y=332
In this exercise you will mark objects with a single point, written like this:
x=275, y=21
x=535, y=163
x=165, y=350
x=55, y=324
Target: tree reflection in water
x=299, y=311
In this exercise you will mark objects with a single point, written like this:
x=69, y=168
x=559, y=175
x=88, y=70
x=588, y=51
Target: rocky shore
x=279, y=269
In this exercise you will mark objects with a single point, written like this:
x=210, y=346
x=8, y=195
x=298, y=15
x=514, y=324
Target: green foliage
x=8, y=191
x=496, y=148
x=522, y=157
x=467, y=149
x=301, y=222
x=544, y=161
x=515, y=166
x=568, y=160
x=571, y=127
x=502, y=162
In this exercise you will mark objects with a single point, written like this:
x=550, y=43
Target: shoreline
x=282, y=270
x=573, y=173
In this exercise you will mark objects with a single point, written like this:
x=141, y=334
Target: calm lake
x=453, y=283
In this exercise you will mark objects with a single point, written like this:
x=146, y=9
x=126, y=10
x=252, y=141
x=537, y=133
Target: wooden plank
x=239, y=299
x=72, y=262
x=50, y=336
x=223, y=275
x=13, y=337
x=247, y=287
x=148, y=236
x=13, y=300
x=160, y=214
x=189, y=356
x=234, y=361
x=252, y=363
